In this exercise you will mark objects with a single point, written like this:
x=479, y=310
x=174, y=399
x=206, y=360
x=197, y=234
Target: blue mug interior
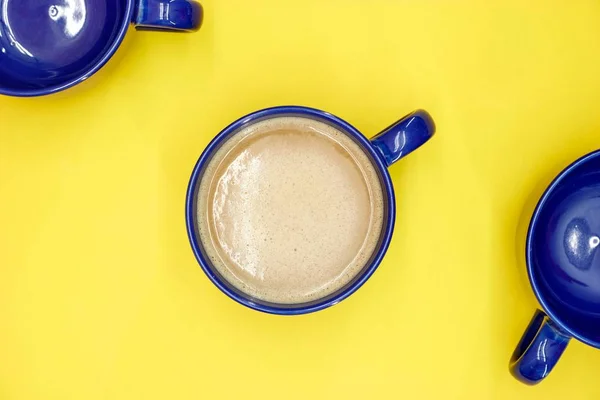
x=564, y=249
x=51, y=44
x=300, y=308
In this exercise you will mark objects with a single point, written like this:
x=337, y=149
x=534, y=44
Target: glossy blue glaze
x=50, y=45
x=180, y=15
x=563, y=262
x=404, y=136
x=539, y=350
x=378, y=161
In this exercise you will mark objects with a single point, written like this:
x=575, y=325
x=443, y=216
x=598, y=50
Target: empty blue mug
x=392, y=144
x=563, y=264
x=49, y=45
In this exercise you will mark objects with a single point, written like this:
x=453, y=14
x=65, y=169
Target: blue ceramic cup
x=395, y=142
x=49, y=45
x=563, y=264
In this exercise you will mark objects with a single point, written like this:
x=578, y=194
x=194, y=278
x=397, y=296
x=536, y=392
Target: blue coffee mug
x=386, y=148
x=563, y=264
x=49, y=45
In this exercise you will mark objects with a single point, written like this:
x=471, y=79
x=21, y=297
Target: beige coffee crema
x=289, y=210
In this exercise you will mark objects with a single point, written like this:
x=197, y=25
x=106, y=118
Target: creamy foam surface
x=289, y=210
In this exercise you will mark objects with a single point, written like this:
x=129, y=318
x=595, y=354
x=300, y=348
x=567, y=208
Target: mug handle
x=539, y=350
x=404, y=136
x=168, y=15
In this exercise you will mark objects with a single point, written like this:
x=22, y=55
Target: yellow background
x=101, y=297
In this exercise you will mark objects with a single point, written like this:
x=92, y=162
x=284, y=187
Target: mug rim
x=89, y=72
x=556, y=182
x=271, y=112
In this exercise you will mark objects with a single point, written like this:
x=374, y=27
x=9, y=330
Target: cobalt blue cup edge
x=534, y=219
x=547, y=332
x=367, y=145
x=134, y=14
x=95, y=68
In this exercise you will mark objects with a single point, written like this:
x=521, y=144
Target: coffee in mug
x=290, y=209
